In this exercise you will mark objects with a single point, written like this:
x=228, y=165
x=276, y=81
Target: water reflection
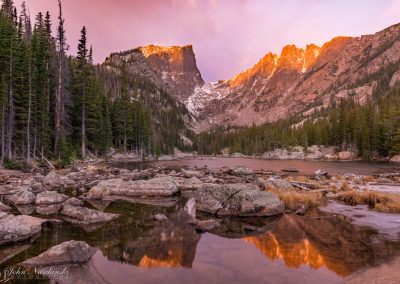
x=324, y=241
x=316, y=246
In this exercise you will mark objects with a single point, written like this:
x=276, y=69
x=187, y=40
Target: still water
x=317, y=248
x=305, y=167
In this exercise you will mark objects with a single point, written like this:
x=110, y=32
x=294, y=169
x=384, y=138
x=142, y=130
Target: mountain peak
x=151, y=49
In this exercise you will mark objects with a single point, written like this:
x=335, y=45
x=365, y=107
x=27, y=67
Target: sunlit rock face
x=323, y=242
x=303, y=80
x=172, y=68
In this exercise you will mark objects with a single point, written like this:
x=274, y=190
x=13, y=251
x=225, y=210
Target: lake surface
x=305, y=167
x=320, y=247
x=317, y=248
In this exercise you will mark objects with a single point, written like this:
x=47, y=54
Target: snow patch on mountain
x=202, y=95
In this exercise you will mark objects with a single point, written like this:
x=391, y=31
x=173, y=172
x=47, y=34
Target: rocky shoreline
x=212, y=195
x=312, y=153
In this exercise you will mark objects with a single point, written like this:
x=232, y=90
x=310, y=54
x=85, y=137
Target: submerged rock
x=49, y=197
x=23, y=197
x=19, y=228
x=243, y=200
x=71, y=252
x=86, y=216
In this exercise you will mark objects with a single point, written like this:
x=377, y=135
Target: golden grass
x=378, y=201
x=294, y=199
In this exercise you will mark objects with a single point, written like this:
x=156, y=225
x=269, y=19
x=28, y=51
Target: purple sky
x=228, y=36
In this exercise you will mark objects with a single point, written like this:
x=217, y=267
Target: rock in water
x=280, y=184
x=161, y=186
x=190, y=208
x=86, y=216
x=320, y=174
x=243, y=200
x=49, y=197
x=160, y=217
x=18, y=228
x=205, y=225
x=74, y=201
x=4, y=207
x=190, y=174
x=242, y=171
x=71, y=252
x=23, y=197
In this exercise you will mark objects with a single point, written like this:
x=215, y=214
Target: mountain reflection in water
x=323, y=241
x=318, y=247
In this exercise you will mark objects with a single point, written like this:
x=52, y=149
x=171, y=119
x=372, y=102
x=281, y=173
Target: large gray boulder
x=23, y=197
x=49, y=197
x=243, y=200
x=86, y=216
x=71, y=252
x=161, y=186
x=18, y=228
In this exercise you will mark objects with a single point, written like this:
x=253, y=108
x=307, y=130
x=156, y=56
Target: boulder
x=4, y=207
x=52, y=180
x=240, y=170
x=23, y=197
x=243, y=200
x=160, y=217
x=190, y=174
x=86, y=216
x=70, y=252
x=19, y=228
x=280, y=184
x=320, y=174
x=49, y=197
x=166, y=158
x=73, y=201
x=238, y=155
x=395, y=159
x=346, y=155
x=189, y=184
x=48, y=209
x=205, y=225
x=161, y=186
x=104, y=188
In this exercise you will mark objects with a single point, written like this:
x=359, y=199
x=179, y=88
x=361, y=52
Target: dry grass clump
x=378, y=201
x=294, y=199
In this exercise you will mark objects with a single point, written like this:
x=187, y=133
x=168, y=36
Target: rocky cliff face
x=298, y=81
x=172, y=68
x=302, y=81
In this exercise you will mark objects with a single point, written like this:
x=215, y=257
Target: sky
x=228, y=36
